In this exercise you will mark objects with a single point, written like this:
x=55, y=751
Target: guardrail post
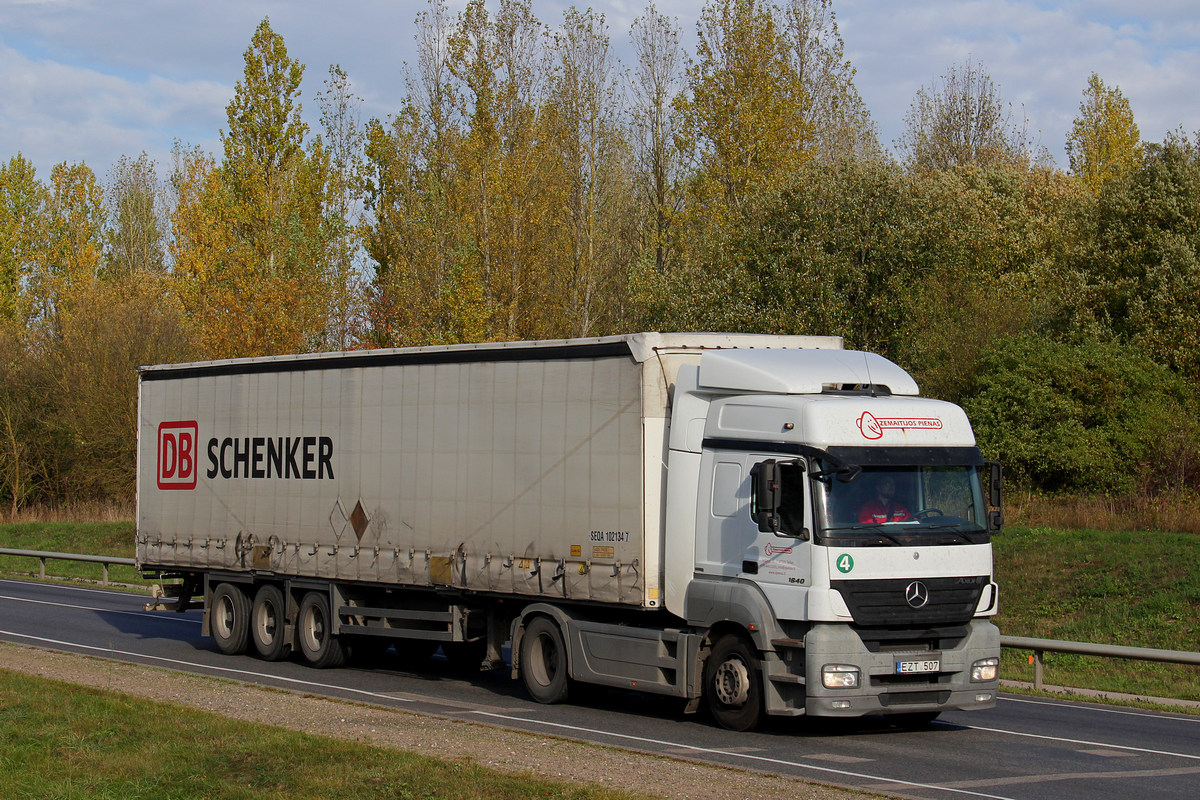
x=1038, y=664
x=105, y=565
x=42, y=568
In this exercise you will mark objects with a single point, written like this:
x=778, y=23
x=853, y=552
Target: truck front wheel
x=230, y=619
x=314, y=631
x=733, y=684
x=544, y=661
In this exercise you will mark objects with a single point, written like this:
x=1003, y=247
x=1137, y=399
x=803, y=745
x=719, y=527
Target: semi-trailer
x=762, y=525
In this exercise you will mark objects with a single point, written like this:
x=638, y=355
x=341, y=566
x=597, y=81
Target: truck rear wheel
x=268, y=624
x=544, y=661
x=229, y=611
x=314, y=631
x=733, y=684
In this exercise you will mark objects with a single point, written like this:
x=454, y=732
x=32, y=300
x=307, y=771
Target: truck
x=759, y=525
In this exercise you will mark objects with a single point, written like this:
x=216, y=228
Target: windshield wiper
x=873, y=528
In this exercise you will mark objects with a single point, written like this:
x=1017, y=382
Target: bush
x=1090, y=417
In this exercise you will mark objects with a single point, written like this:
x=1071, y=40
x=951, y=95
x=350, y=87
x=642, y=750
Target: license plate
x=917, y=667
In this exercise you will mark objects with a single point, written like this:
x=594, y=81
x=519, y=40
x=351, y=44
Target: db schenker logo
x=177, y=455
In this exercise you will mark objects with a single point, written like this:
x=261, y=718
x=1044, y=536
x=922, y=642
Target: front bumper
x=880, y=690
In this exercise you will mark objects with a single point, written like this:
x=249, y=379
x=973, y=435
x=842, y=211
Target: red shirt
x=875, y=511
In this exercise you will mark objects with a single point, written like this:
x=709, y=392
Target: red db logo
x=177, y=455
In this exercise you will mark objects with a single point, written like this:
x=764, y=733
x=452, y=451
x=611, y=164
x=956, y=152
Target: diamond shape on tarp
x=358, y=520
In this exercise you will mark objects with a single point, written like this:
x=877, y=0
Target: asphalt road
x=1024, y=749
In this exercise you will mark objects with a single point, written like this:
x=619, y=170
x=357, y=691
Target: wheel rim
x=265, y=623
x=545, y=660
x=732, y=682
x=223, y=619
x=314, y=629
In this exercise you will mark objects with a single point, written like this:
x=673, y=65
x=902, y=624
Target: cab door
x=734, y=545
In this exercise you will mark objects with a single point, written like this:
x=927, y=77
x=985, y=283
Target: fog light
x=983, y=698
x=839, y=676
x=985, y=669
x=840, y=703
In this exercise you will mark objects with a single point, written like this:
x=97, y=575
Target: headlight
x=839, y=676
x=985, y=669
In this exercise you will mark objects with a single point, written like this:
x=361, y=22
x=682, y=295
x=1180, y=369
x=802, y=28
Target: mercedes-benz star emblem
x=916, y=594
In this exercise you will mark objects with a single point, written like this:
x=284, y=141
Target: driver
x=884, y=507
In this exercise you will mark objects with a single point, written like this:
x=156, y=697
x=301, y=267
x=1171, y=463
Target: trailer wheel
x=733, y=684
x=544, y=661
x=320, y=647
x=268, y=624
x=229, y=611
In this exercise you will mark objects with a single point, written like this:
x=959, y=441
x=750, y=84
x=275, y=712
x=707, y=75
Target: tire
x=544, y=661
x=313, y=624
x=268, y=624
x=229, y=618
x=733, y=684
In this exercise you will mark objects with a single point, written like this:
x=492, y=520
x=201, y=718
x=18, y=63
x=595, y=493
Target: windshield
x=907, y=505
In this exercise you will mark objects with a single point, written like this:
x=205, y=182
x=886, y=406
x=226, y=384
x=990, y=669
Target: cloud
x=1040, y=54
x=55, y=112
x=91, y=80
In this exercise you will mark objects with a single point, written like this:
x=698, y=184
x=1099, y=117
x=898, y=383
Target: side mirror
x=765, y=495
x=995, y=495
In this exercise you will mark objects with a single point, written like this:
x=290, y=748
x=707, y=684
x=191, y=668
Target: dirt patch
x=512, y=751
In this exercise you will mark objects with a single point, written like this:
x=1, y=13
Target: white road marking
x=1083, y=742
x=195, y=665
x=680, y=746
x=1083, y=705
x=152, y=615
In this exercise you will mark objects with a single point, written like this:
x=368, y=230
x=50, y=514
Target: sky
x=94, y=80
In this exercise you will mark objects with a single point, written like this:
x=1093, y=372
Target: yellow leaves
x=743, y=114
x=1104, y=142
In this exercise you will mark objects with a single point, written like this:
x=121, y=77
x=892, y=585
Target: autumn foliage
x=534, y=186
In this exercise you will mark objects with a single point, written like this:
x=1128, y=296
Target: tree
x=135, y=202
x=744, y=109
x=1104, y=142
x=1142, y=260
x=73, y=242
x=344, y=140
x=961, y=120
x=266, y=131
x=654, y=84
x=22, y=205
x=591, y=151
x=252, y=240
x=841, y=124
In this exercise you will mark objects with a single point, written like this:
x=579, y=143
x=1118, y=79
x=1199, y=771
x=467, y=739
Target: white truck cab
x=846, y=520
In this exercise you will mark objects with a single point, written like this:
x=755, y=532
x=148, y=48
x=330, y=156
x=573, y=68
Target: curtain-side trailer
x=765, y=524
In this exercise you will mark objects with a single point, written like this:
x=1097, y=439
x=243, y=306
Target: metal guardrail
x=1042, y=646
x=1039, y=646
x=42, y=555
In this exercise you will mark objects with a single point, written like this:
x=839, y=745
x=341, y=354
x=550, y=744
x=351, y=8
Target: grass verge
x=1140, y=589
x=92, y=538
x=58, y=740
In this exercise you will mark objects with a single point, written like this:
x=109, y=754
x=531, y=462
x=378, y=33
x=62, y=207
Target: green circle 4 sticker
x=845, y=563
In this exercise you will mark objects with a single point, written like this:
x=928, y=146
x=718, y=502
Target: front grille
x=951, y=601
x=902, y=639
